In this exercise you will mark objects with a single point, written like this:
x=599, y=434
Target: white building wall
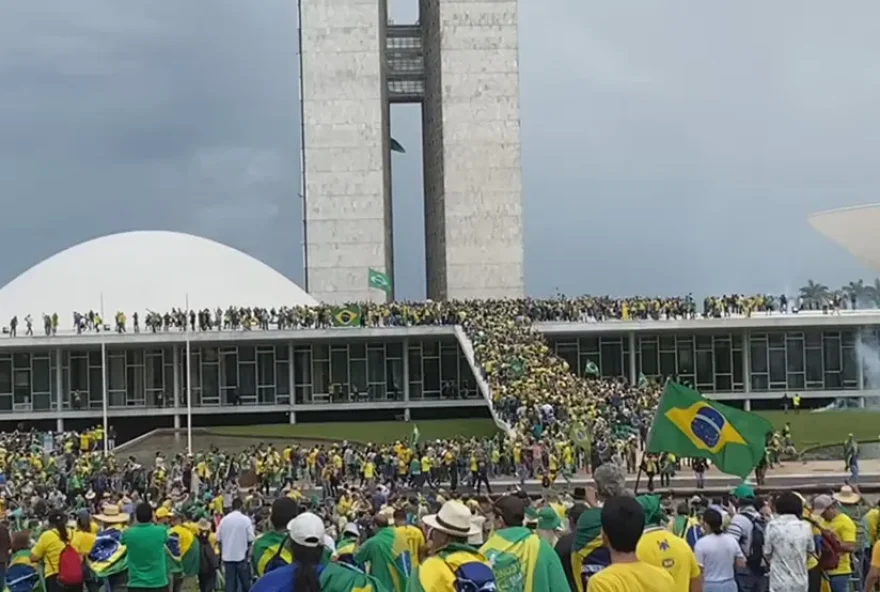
x=478, y=187
x=345, y=128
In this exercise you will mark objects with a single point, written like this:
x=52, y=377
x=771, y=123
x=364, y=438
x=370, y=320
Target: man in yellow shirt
x=844, y=528
x=663, y=549
x=415, y=540
x=623, y=521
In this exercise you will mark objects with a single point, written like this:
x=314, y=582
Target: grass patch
x=809, y=430
x=371, y=431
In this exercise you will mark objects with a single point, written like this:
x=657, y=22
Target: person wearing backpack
x=62, y=564
x=452, y=565
x=844, y=532
x=747, y=526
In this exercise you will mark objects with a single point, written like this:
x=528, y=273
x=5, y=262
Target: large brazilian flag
x=108, y=555
x=686, y=424
x=21, y=575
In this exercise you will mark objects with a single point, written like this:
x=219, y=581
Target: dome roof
x=854, y=229
x=146, y=270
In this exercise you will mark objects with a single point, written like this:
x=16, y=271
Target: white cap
x=307, y=530
x=352, y=528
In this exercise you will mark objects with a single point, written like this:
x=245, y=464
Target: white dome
x=145, y=270
x=854, y=229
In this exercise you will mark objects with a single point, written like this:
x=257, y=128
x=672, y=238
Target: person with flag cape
x=386, y=555
x=108, y=558
x=453, y=565
x=21, y=574
x=307, y=571
x=270, y=550
x=688, y=425
x=347, y=546
x=661, y=548
x=589, y=553
x=184, y=550
x=520, y=559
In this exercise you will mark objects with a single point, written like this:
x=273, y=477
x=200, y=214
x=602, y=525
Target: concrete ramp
x=468, y=348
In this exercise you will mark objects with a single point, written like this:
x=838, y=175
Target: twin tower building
x=460, y=63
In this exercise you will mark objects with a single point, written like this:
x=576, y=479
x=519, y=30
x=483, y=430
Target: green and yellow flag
x=347, y=316
x=378, y=280
x=580, y=435
x=686, y=424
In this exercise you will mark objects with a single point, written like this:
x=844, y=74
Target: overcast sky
x=667, y=146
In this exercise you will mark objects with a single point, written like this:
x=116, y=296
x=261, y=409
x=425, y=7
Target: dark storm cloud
x=667, y=147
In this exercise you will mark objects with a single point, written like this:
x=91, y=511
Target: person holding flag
x=520, y=558
x=688, y=425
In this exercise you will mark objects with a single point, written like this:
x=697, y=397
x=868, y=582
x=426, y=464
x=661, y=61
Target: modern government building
x=144, y=380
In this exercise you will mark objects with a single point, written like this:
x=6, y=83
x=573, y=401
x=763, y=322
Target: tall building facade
x=460, y=62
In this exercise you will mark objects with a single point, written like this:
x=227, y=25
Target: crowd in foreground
x=76, y=520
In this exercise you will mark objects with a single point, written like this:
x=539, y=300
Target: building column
x=175, y=395
x=59, y=385
x=859, y=362
x=747, y=369
x=290, y=378
x=406, y=372
x=292, y=417
x=632, y=358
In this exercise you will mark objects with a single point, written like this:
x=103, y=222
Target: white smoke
x=868, y=355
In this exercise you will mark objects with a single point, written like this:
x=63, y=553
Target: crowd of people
x=394, y=518
x=561, y=308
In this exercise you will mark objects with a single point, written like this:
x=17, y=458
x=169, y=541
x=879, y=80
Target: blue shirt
x=280, y=578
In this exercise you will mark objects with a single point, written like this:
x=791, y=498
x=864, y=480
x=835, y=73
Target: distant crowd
x=405, y=313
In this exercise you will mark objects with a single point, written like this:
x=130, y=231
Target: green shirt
x=146, y=555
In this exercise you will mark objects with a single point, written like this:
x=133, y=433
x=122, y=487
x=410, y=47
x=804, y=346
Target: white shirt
x=787, y=542
x=235, y=534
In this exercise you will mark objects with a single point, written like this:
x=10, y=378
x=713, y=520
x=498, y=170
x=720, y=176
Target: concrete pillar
x=176, y=421
x=290, y=378
x=862, y=402
x=406, y=375
x=633, y=371
x=59, y=424
x=59, y=384
x=406, y=414
x=747, y=366
x=859, y=360
x=292, y=417
x=175, y=360
x=747, y=405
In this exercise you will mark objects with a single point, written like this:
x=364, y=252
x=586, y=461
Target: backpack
x=70, y=567
x=755, y=558
x=474, y=576
x=828, y=546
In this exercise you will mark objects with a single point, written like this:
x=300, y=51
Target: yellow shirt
x=872, y=518
x=415, y=542
x=48, y=550
x=663, y=549
x=845, y=529
x=83, y=542
x=631, y=577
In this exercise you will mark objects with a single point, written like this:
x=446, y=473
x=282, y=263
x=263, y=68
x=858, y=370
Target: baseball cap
x=743, y=491
x=307, y=530
x=822, y=503
x=512, y=509
x=352, y=528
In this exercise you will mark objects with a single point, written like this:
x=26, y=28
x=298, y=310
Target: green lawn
x=830, y=427
x=371, y=431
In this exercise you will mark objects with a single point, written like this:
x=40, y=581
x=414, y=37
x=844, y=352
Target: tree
x=857, y=290
x=814, y=293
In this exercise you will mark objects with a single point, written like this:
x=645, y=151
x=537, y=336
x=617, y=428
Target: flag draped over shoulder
x=21, y=575
x=270, y=552
x=686, y=424
x=388, y=557
x=522, y=560
x=588, y=555
x=108, y=555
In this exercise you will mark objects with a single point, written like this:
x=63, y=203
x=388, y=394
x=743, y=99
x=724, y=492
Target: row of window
x=263, y=375
x=826, y=360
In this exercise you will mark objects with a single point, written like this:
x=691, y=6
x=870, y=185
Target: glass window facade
x=715, y=362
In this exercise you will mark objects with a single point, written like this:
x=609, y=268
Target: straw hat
x=111, y=514
x=454, y=518
x=204, y=525
x=846, y=495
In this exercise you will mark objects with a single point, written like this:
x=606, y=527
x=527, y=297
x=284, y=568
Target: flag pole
x=189, y=435
x=104, y=394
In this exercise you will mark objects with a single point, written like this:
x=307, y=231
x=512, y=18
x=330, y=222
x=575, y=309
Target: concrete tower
x=460, y=62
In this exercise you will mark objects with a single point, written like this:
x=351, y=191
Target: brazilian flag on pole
x=643, y=380
x=686, y=424
x=591, y=369
x=378, y=280
x=414, y=439
x=347, y=316
x=580, y=435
